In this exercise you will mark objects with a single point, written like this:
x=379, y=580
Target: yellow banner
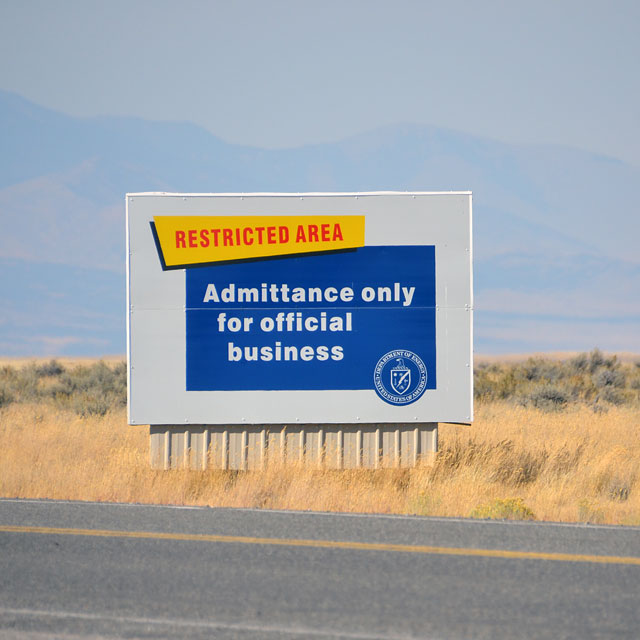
x=191, y=240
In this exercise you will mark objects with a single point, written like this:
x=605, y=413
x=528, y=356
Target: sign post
x=334, y=329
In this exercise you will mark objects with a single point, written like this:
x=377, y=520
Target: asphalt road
x=132, y=571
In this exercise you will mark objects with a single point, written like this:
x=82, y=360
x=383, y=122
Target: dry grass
x=575, y=465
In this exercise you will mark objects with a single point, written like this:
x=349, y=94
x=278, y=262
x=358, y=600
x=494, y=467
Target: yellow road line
x=327, y=544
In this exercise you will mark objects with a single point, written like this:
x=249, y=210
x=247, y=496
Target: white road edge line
x=341, y=514
x=203, y=624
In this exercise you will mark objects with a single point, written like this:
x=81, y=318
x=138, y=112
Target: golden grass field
x=571, y=466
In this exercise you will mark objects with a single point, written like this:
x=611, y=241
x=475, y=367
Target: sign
x=299, y=308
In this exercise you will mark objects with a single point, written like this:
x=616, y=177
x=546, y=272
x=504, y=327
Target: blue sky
x=287, y=73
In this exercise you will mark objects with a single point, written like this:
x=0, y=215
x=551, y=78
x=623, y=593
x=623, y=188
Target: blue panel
x=259, y=325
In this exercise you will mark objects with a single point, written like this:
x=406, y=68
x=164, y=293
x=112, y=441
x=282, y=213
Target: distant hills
x=555, y=229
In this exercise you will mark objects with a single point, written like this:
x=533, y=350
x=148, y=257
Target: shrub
x=91, y=403
x=552, y=385
x=597, y=359
x=505, y=509
x=536, y=369
x=26, y=383
x=547, y=398
x=92, y=390
x=483, y=387
x=5, y=396
x=609, y=378
x=612, y=396
x=50, y=369
x=579, y=364
x=619, y=489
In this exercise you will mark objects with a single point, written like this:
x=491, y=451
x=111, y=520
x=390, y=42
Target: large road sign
x=299, y=308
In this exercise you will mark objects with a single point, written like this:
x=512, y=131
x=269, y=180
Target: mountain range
x=556, y=265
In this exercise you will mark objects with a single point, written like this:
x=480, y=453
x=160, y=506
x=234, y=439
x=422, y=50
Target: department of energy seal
x=400, y=377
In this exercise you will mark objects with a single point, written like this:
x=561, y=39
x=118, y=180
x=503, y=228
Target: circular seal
x=400, y=377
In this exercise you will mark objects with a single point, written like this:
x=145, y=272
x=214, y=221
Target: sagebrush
x=592, y=379
x=92, y=389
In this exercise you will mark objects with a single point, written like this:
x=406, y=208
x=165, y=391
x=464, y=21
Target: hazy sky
x=284, y=73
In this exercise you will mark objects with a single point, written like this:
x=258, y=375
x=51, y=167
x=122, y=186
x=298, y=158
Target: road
x=91, y=570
